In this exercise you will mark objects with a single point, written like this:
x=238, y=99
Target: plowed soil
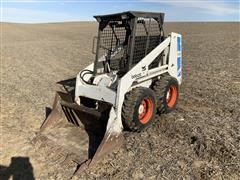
x=200, y=140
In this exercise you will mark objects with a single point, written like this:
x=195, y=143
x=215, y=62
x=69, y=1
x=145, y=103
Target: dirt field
x=200, y=140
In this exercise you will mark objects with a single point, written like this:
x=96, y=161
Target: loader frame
x=140, y=70
x=139, y=75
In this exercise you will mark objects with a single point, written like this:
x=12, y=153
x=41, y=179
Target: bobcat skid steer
x=136, y=74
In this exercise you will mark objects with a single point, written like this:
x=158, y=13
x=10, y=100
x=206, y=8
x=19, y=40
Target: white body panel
x=175, y=57
x=79, y=81
x=99, y=93
x=139, y=75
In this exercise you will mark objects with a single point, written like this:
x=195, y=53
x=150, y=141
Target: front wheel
x=139, y=109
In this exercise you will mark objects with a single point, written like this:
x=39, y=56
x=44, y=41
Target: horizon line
x=76, y=21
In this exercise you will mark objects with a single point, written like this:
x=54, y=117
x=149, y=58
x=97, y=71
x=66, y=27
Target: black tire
x=166, y=84
x=133, y=120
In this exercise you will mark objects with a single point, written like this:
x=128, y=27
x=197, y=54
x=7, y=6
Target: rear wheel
x=139, y=108
x=166, y=90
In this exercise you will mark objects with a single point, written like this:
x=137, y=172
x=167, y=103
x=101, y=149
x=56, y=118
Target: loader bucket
x=80, y=130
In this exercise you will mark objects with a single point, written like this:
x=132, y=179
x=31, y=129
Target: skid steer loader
x=136, y=74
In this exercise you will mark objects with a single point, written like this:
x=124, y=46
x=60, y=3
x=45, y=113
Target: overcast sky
x=39, y=11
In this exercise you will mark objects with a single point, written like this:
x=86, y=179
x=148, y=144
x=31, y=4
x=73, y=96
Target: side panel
x=100, y=93
x=175, y=57
x=79, y=82
x=135, y=73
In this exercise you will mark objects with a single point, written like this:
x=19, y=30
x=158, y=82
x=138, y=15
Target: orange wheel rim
x=145, y=110
x=171, y=96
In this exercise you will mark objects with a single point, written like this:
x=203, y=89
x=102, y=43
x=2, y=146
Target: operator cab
x=125, y=38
